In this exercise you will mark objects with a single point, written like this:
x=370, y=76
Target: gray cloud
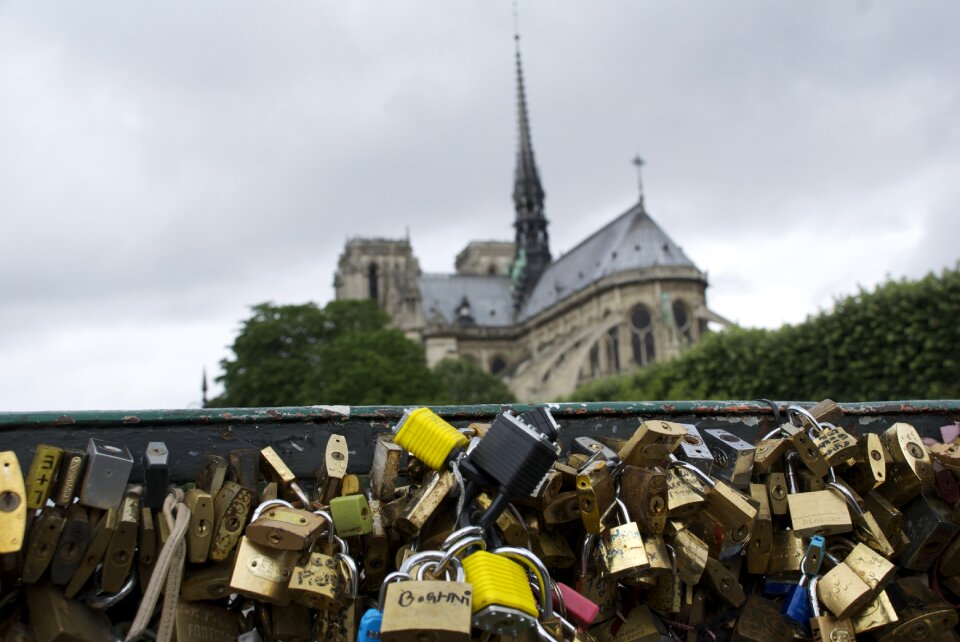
x=168, y=166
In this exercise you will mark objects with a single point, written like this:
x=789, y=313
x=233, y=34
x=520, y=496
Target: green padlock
x=351, y=515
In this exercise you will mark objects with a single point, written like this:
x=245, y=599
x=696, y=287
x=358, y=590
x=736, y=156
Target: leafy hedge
x=900, y=341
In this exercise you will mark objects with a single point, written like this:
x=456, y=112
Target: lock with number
x=803, y=424
x=42, y=473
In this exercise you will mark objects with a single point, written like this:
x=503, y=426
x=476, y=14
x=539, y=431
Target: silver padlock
x=693, y=450
x=105, y=480
x=733, y=457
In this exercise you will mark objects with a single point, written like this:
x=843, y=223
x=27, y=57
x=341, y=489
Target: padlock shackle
x=533, y=563
x=95, y=598
x=585, y=549
x=673, y=559
x=395, y=576
x=791, y=472
x=702, y=476
x=455, y=548
x=454, y=537
x=844, y=491
x=799, y=414
x=352, y=573
x=269, y=504
x=814, y=600
x=331, y=530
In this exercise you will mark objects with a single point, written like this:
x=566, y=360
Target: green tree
x=463, y=381
x=344, y=353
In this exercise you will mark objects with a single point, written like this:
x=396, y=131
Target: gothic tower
x=532, y=243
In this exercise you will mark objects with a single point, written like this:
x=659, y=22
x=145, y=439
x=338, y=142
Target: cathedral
x=623, y=298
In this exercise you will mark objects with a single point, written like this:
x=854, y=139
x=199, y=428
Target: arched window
x=682, y=317
x=373, y=282
x=613, y=350
x=497, y=365
x=641, y=339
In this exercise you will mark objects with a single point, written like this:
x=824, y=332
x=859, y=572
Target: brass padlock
x=277, y=524
x=213, y=472
x=119, y=555
x=777, y=493
x=276, y=470
x=644, y=491
x=827, y=628
x=200, y=532
x=651, y=443
x=835, y=444
x=426, y=610
x=42, y=473
x=73, y=542
x=207, y=582
x=875, y=615
x=929, y=526
x=911, y=469
x=888, y=516
x=147, y=548
x=725, y=504
x=923, y=615
x=621, y=548
x=199, y=622
x=336, y=626
x=638, y=624
x=244, y=468
x=761, y=621
x=376, y=549
x=821, y=512
x=787, y=553
x=802, y=440
x=424, y=502
x=13, y=504
x=511, y=527
x=865, y=526
x=843, y=592
x=563, y=510
x=593, y=585
x=383, y=473
x=99, y=541
x=871, y=567
x=760, y=548
x=262, y=573
x=42, y=544
x=870, y=467
x=666, y=595
x=320, y=581
x=231, y=507
x=769, y=454
x=553, y=549
x=691, y=555
x=68, y=477
x=54, y=617
x=723, y=582
x=596, y=490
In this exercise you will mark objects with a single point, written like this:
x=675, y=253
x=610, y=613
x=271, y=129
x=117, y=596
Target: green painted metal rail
x=299, y=434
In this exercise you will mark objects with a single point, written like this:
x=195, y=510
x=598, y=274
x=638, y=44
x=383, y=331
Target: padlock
x=336, y=626
x=797, y=606
x=277, y=524
x=13, y=503
x=725, y=504
x=835, y=444
x=429, y=610
x=666, y=596
x=865, y=526
x=119, y=555
x=548, y=622
x=723, y=582
x=42, y=543
x=733, y=457
x=199, y=622
x=621, y=549
x=156, y=474
x=911, y=469
x=776, y=484
x=320, y=582
x=826, y=628
x=276, y=470
x=42, y=473
x=787, y=553
x=383, y=473
x=947, y=454
x=578, y=608
x=563, y=510
x=888, y=516
x=946, y=484
x=923, y=615
x=928, y=524
x=510, y=525
x=147, y=549
x=213, y=472
x=761, y=621
x=100, y=539
x=651, y=443
x=804, y=424
x=231, y=507
x=69, y=476
x=351, y=485
x=547, y=490
x=208, y=582
x=553, y=549
x=593, y=585
x=644, y=492
x=54, y=617
x=821, y=512
x=691, y=555
x=105, y=476
x=376, y=549
x=262, y=573
x=424, y=502
x=871, y=567
x=870, y=467
x=694, y=450
x=596, y=490
x=351, y=515
x=72, y=544
x=877, y=614
x=200, y=532
x=429, y=437
x=769, y=454
x=843, y=592
x=292, y=623
x=243, y=467
x=760, y=548
x=683, y=498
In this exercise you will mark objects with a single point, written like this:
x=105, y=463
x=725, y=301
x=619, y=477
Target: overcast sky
x=165, y=165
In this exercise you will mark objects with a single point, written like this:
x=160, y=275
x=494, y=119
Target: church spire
x=532, y=242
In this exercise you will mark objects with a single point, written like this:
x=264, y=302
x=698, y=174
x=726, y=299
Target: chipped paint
x=297, y=446
x=343, y=411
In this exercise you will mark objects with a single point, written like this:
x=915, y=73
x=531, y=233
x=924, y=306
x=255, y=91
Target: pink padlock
x=950, y=432
x=578, y=608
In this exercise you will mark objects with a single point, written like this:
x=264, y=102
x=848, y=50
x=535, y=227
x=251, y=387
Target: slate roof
x=631, y=241
x=488, y=295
